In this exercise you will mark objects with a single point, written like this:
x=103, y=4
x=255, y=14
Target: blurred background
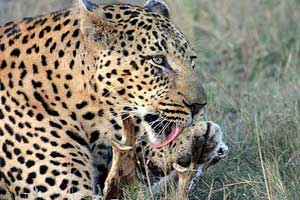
x=249, y=54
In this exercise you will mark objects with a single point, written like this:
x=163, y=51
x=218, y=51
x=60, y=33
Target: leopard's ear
x=95, y=22
x=158, y=6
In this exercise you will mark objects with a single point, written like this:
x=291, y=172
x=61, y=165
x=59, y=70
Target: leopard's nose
x=196, y=99
x=196, y=108
x=223, y=151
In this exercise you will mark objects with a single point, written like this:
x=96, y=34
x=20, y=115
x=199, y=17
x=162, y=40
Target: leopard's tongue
x=170, y=138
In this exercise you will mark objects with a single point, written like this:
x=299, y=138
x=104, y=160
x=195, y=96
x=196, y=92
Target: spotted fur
x=65, y=80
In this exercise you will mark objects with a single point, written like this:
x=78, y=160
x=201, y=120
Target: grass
x=249, y=56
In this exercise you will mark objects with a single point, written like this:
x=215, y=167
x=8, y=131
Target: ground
x=249, y=62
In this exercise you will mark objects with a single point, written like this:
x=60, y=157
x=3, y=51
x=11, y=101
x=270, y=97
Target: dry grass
x=249, y=64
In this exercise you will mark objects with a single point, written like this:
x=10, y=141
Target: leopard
x=66, y=80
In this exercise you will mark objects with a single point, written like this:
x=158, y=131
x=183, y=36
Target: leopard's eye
x=159, y=60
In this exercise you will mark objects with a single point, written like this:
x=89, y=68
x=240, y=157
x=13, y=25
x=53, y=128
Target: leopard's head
x=145, y=67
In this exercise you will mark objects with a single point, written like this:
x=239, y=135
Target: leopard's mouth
x=161, y=132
